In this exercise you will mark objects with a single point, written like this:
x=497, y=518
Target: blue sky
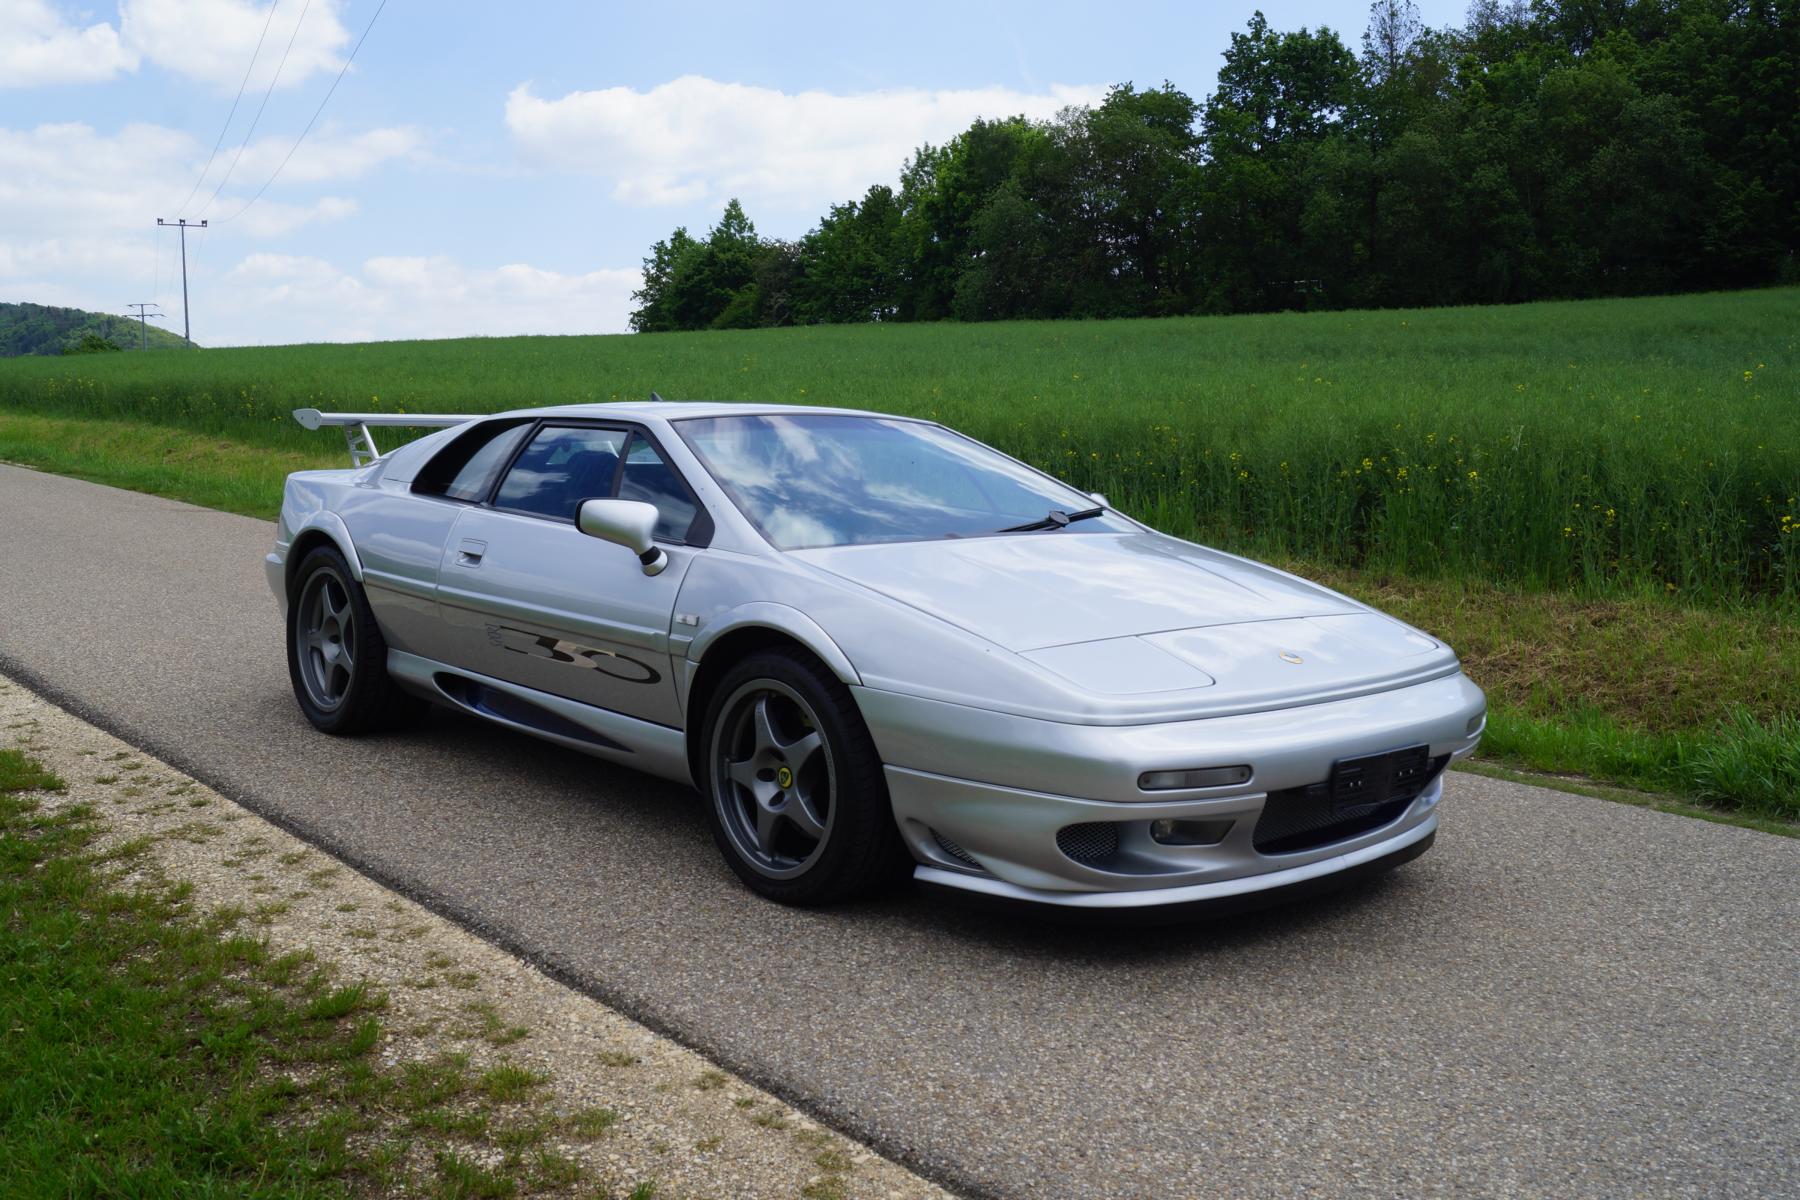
x=502, y=168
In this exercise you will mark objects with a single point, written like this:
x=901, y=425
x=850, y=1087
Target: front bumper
x=1223, y=898
x=275, y=571
x=999, y=805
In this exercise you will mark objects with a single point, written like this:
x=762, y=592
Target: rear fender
x=326, y=524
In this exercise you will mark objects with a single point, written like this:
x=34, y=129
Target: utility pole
x=184, y=225
x=143, y=327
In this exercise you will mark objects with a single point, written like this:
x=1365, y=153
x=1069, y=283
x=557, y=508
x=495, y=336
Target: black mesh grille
x=1362, y=794
x=1090, y=841
x=955, y=851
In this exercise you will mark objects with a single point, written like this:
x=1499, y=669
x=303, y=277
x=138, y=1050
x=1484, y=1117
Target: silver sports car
x=878, y=649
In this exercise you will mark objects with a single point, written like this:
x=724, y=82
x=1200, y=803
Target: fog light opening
x=1197, y=777
x=1189, y=833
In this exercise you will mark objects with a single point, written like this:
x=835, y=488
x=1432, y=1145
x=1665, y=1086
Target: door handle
x=469, y=553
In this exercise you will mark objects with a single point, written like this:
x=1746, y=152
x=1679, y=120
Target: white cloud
x=70, y=180
x=39, y=45
x=69, y=257
x=325, y=156
x=271, y=219
x=81, y=206
x=212, y=40
x=697, y=139
x=287, y=298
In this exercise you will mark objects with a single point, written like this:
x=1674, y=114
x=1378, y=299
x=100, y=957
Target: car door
x=400, y=530
x=526, y=597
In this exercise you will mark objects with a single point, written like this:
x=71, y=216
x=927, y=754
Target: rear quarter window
x=465, y=468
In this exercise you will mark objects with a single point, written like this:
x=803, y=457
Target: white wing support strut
x=356, y=426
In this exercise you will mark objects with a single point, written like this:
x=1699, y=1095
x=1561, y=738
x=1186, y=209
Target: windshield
x=807, y=480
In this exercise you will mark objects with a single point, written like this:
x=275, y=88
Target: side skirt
x=645, y=745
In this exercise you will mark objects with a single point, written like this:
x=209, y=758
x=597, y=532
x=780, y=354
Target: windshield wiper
x=1055, y=519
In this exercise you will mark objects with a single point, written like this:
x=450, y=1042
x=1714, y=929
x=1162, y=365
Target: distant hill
x=41, y=329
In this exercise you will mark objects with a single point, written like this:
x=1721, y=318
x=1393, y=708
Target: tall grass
x=1600, y=444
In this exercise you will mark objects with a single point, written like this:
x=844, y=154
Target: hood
x=1135, y=614
x=1031, y=591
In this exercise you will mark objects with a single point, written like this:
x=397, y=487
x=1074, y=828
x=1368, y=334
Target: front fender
x=766, y=614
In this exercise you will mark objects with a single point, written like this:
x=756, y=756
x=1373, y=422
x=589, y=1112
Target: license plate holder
x=1371, y=780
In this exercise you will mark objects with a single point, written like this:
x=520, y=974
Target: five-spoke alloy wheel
x=337, y=658
x=799, y=805
x=325, y=634
x=776, y=780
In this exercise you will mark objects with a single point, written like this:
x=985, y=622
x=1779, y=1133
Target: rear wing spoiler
x=357, y=437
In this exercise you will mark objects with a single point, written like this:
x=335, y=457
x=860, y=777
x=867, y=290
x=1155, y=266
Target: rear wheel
x=337, y=658
x=797, y=800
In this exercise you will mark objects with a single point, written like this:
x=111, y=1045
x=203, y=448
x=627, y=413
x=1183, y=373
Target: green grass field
x=1597, y=503
x=1600, y=444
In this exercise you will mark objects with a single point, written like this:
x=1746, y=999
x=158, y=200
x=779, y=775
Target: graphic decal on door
x=542, y=645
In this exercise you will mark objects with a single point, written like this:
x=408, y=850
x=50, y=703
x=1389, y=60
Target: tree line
x=1544, y=149
x=45, y=329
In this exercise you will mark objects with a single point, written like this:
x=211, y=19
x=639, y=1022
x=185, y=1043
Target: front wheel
x=337, y=658
x=796, y=795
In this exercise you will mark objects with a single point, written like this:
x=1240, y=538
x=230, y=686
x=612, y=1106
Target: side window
x=648, y=478
x=464, y=469
x=559, y=469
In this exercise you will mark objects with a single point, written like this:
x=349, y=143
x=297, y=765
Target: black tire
x=338, y=665
x=860, y=852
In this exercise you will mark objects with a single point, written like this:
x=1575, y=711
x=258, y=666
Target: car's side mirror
x=1097, y=498
x=627, y=523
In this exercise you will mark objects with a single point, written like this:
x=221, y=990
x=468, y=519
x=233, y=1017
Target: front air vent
x=1090, y=841
x=957, y=852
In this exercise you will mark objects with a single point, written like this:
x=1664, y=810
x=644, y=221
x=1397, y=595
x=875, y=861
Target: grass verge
x=1635, y=688
x=182, y=465
x=1741, y=764
x=146, y=1054
x=149, y=1050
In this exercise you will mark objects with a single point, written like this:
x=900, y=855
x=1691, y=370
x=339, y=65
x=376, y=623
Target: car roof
x=676, y=410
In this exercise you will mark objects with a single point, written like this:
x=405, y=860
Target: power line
x=226, y=128
x=270, y=91
x=322, y=103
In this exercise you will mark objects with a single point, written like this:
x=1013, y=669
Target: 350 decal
x=542, y=645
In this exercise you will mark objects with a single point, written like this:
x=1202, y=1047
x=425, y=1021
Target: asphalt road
x=1565, y=997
